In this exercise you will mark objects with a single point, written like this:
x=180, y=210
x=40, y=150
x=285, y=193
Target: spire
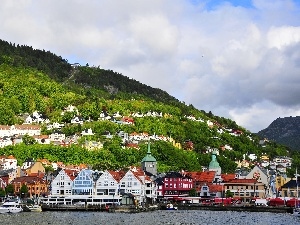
x=149, y=157
x=149, y=151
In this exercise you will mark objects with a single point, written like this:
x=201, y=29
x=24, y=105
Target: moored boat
x=35, y=208
x=11, y=206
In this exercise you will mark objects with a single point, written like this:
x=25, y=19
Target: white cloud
x=238, y=62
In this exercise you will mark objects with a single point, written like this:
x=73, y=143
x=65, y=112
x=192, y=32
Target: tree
x=28, y=140
x=9, y=189
x=24, y=190
x=2, y=192
x=228, y=194
x=193, y=192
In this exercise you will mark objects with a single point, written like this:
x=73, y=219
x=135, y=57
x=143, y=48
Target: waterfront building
x=83, y=184
x=290, y=188
x=245, y=189
x=134, y=182
x=108, y=183
x=62, y=183
x=173, y=185
x=261, y=175
x=36, y=186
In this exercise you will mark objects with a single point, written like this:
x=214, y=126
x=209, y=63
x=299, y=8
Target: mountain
x=38, y=80
x=285, y=131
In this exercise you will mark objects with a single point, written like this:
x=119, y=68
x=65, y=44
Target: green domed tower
x=149, y=162
x=214, y=165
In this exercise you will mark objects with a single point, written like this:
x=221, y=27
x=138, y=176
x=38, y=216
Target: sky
x=238, y=59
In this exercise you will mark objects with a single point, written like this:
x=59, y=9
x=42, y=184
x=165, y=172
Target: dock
x=236, y=208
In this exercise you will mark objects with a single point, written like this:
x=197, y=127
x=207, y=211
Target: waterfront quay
x=243, y=208
x=127, y=208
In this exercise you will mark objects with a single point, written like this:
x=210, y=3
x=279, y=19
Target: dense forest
x=38, y=80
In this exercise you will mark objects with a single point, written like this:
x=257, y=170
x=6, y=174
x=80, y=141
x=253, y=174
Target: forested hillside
x=34, y=80
x=285, y=131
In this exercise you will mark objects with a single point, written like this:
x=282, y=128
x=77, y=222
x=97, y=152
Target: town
x=266, y=180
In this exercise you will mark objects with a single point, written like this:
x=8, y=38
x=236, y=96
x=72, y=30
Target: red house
x=174, y=185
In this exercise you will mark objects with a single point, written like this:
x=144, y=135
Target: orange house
x=36, y=186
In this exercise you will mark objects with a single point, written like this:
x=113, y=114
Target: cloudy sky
x=239, y=59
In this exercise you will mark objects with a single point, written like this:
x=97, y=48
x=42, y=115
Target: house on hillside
x=35, y=169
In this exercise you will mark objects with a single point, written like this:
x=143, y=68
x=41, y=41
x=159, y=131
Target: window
x=112, y=183
x=105, y=183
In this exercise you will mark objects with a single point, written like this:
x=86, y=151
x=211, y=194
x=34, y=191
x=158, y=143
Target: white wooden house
x=62, y=183
x=83, y=184
x=107, y=185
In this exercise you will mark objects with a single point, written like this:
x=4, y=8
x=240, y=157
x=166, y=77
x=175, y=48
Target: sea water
x=180, y=217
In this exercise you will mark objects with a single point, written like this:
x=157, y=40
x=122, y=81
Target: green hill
x=34, y=80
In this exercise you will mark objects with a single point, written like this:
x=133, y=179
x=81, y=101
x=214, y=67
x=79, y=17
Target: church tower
x=149, y=162
x=214, y=165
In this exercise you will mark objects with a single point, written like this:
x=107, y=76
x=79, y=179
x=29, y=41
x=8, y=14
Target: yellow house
x=175, y=144
x=37, y=169
x=264, y=157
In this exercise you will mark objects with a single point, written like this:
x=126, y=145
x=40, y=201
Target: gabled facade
x=83, y=184
x=132, y=184
x=108, y=184
x=62, y=183
x=36, y=169
x=260, y=175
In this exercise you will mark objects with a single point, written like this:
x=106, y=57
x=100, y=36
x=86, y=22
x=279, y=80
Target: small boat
x=171, y=207
x=35, y=208
x=11, y=206
x=296, y=212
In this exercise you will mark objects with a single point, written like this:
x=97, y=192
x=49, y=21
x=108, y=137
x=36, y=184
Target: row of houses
x=142, y=182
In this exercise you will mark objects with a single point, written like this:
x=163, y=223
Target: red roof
x=228, y=177
x=216, y=188
x=207, y=176
x=243, y=181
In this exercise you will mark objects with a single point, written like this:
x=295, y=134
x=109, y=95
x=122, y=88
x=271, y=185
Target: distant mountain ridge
x=285, y=131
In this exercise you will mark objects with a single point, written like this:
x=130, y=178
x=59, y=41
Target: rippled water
x=180, y=217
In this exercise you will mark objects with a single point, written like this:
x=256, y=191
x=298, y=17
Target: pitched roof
x=207, y=176
x=215, y=188
x=228, y=177
x=246, y=181
x=117, y=175
x=28, y=180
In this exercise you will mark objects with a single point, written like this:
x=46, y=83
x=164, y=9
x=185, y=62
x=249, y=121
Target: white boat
x=35, y=208
x=296, y=212
x=11, y=206
x=170, y=206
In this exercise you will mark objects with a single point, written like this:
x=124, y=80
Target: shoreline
x=128, y=208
